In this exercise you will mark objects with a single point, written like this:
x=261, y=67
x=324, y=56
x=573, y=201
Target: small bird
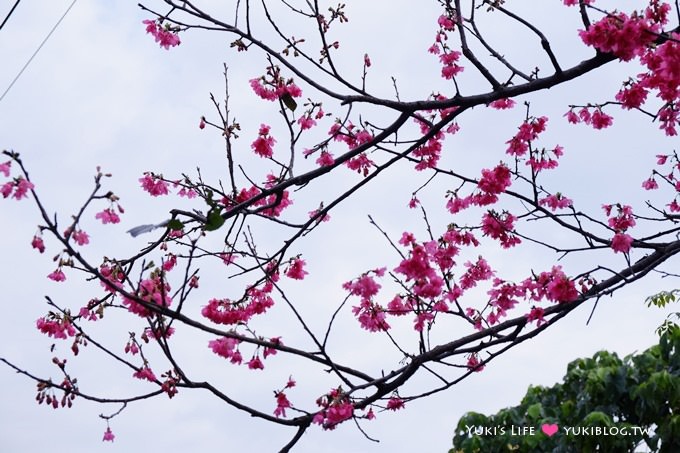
x=141, y=229
x=196, y=216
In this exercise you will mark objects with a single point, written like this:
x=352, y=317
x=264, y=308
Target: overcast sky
x=101, y=92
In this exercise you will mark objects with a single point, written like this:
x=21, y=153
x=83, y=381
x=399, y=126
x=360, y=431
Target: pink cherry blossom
x=226, y=347
x=623, y=220
x=556, y=201
x=38, y=244
x=650, y=184
x=536, y=314
x=364, y=287
x=450, y=67
x=262, y=146
x=446, y=23
x=621, y=243
x=338, y=413
x=4, y=168
x=255, y=363
x=59, y=328
x=600, y=120
x=475, y=272
x=57, y=275
x=108, y=435
x=624, y=36
x=268, y=351
x=562, y=289
x=260, y=90
x=145, y=373
x=395, y=403
x=6, y=189
x=306, y=122
x=396, y=307
x=81, y=237
x=502, y=104
x=495, y=181
x=170, y=262
x=282, y=404
x=163, y=36
x=20, y=186
x=371, y=316
x=572, y=117
x=500, y=227
x=108, y=216
x=296, y=269
x=153, y=291
x=474, y=364
x=325, y=159
x=154, y=185
x=632, y=97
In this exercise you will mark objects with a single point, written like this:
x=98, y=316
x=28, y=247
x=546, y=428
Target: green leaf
x=534, y=411
x=175, y=225
x=289, y=101
x=214, y=221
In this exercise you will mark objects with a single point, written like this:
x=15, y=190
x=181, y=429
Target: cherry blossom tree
x=443, y=307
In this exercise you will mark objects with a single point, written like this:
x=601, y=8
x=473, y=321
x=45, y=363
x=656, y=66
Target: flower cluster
x=56, y=326
x=637, y=36
x=371, y=316
x=622, y=35
x=108, y=435
x=672, y=177
x=620, y=223
x=527, y=132
x=395, y=403
x=425, y=268
x=225, y=311
x=419, y=267
x=282, y=402
x=499, y=226
x=38, y=244
x=262, y=146
x=430, y=152
x=154, y=185
x=554, y=286
x=448, y=58
x=296, y=269
x=502, y=104
x=271, y=205
x=226, y=347
x=473, y=363
x=17, y=188
x=108, y=215
x=153, y=291
x=597, y=119
x=145, y=373
x=492, y=183
x=272, y=86
x=336, y=408
x=555, y=202
x=349, y=134
x=165, y=36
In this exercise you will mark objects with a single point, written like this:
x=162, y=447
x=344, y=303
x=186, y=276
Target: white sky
x=101, y=92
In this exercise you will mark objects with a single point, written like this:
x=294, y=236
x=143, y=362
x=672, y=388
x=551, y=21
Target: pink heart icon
x=549, y=429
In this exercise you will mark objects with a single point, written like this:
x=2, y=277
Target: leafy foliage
x=638, y=395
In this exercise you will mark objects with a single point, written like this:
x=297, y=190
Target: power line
x=36, y=50
x=9, y=14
